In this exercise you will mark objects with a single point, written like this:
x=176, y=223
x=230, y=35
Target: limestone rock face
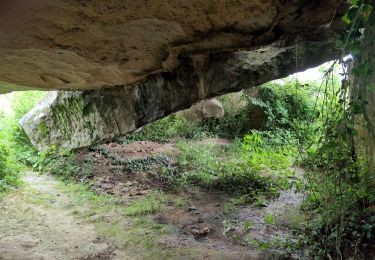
x=74, y=119
x=94, y=44
x=364, y=95
x=210, y=108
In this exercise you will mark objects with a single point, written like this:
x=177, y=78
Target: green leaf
x=354, y=3
x=366, y=11
x=339, y=44
x=346, y=19
x=355, y=49
x=370, y=87
x=362, y=70
x=269, y=219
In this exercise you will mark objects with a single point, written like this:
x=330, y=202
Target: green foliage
x=269, y=219
x=237, y=118
x=65, y=167
x=340, y=187
x=290, y=105
x=341, y=193
x=221, y=167
x=23, y=102
x=15, y=148
x=153, y=203
x=8, y=167
x=167, y=129
x=136, y=164
x=269, y=150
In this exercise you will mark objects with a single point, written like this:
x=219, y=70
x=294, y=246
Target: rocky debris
x=211, y=108
x=200, y=232
x=192, y=208
x=81, y=118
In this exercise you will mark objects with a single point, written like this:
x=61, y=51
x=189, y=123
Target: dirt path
x=31, y=230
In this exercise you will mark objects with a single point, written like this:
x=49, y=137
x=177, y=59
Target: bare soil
x=38, y=221
x=31, y=231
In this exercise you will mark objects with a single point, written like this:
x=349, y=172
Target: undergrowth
x=243, y=168
x=341, y=191
x=16, y=150
x=168, y=129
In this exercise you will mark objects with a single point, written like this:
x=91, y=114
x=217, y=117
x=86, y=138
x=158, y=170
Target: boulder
x=211, y=108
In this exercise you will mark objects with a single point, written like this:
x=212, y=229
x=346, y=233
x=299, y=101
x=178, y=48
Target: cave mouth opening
x=225, y=170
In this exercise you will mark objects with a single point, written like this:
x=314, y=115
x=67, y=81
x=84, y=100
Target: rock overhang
x=126, y=63
x=79, y=45
x=74, y=119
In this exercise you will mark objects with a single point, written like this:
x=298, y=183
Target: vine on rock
x=340, y=197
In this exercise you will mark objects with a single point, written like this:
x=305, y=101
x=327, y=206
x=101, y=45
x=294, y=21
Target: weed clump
x=151, y=204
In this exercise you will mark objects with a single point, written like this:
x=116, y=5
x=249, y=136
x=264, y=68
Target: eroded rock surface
x=78, y=45
x=81, y=118
x=131, y=62
x=210, y=108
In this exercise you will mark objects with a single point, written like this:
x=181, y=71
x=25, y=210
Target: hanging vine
x=339, y=198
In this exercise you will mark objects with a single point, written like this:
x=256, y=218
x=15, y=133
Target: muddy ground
x=47, y=219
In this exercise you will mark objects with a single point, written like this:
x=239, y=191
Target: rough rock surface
x=77, y=45
x=238, y=103
x=258, y=115
x=210, y=108
x=364, y=95
x=81, y=118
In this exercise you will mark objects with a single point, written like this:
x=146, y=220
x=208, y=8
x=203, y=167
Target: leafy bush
x=292, y=106
x=8, y=169
x=274, y=150
x=68, y=168
x=341, y=196
x=15, y=147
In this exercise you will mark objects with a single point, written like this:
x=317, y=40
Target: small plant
x=228, y=227
x=269, y=151
x=248, y=225
x=134, y=165
x=153, y=203
x=260, y=202
x=269, y=219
